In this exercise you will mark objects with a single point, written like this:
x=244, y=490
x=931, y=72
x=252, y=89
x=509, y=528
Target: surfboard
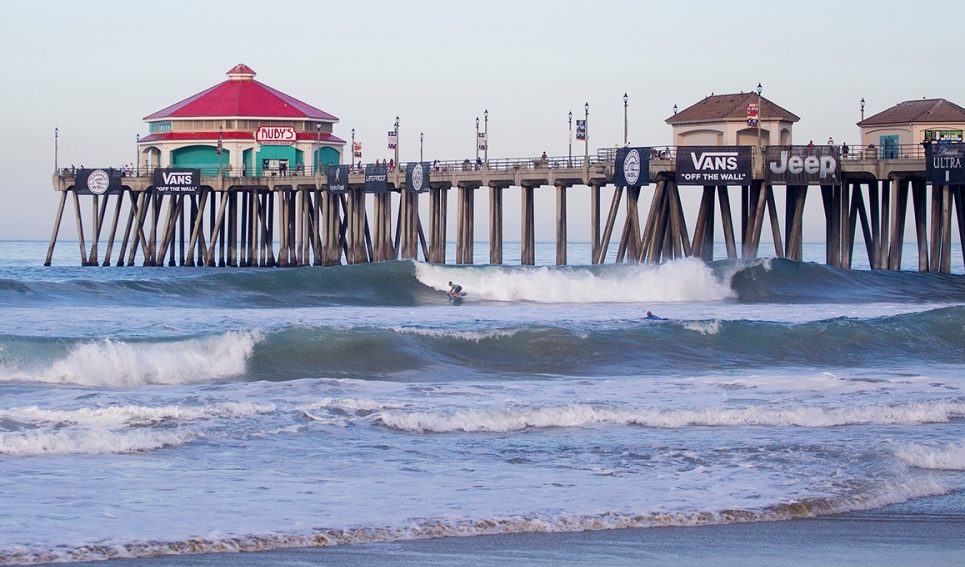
x=456, y=296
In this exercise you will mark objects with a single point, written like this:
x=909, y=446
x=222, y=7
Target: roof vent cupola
x=241, y=72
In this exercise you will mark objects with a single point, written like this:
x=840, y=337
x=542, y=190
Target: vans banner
x=181, y=180
x=713, y=165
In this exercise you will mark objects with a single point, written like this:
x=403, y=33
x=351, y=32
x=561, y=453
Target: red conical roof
x=241, y=95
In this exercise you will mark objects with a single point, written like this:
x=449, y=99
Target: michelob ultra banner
x=337, y=178
x=632, y=167
x=803, y=165
x=180, y=180
x=104, y=181
x=943, y=163
x=713, y=165
x=417, y=177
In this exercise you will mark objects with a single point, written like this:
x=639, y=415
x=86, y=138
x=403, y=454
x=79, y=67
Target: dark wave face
x=786, y=281
x=406, y=283
x=416, y=353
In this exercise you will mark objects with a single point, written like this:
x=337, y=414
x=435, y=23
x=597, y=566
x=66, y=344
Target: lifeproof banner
x=943, y=163
x=376, y=178
x=106, y=181
x=632, y=167
x=417, y=177
x=803, y=165
x=713, y=165
x=337, y=178
x=181, y=181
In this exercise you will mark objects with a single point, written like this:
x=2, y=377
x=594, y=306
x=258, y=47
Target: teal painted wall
x=204, y=158
x=325, y=156
x=274, y=152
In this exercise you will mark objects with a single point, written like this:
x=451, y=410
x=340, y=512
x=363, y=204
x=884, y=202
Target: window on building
x=157, y=127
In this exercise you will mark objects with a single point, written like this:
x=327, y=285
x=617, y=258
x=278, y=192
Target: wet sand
x=885, y=538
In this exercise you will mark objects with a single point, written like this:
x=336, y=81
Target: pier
x=330, y=215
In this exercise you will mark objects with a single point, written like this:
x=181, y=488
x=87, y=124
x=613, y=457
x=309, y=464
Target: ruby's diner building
x=244, y=127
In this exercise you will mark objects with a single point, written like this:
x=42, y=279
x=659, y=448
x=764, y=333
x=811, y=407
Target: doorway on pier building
x=272, y=159
x=205, y=158
x=889, y=146
x=326, y=156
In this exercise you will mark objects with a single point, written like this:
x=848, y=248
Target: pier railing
x=603, y=156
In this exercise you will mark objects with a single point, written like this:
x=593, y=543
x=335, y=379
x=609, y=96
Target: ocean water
x=176, y=411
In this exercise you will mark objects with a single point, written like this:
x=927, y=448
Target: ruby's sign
x=278, y=135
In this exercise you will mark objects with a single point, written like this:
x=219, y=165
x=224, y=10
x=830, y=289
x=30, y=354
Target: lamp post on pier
x=477, y=139
x=486, y=132
x=352, y=161
x=397, y=141
x=421, y=138
x=569, y=162
x=586, y=134
x=626, y=100
x=56, y=136
x=760, y=116
x=137, y=154
x=862, y=108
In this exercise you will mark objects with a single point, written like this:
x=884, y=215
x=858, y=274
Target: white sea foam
x=90, y=441
x=703, y=327
x=116, y=363
x=516, y=419
x=941, y=457
x=679, y=280
x=467, y=336
x=348, y=404
x=133, y=415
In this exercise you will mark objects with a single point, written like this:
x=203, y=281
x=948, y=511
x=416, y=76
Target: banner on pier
x=376, y=178
x=581, y=129
x=713, y=165
x=482, y=142
x=357, y=149
x=632, y=167
x=802, y=165
x=177, y=180
x=417, y=177
x=105, y=181
x=337, y=178
x=393, y=139
x=943, y=163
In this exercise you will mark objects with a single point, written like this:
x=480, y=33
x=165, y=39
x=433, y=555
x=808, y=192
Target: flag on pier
x=482, y=142
x=581, y=129
x=393, y=139
x=357, y=149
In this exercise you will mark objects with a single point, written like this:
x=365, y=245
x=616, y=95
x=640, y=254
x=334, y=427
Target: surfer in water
x=455, y=290
x=651, y=317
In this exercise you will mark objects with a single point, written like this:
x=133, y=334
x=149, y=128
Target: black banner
x=713, y=165
x=943, y=163
x=183, y=181
x=632, y=167
x=376, y=178
x=338, y=179
x=105, y=181
x=803, y=165
x=417, y=177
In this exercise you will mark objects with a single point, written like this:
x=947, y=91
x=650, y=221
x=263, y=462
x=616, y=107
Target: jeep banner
x=713, y=165
x=337, y=179
x=105, y=181
x=632, y=167
x=417, y=177
x=803, y=165
x=182, y=181
x=943, y=163
x=376, y=178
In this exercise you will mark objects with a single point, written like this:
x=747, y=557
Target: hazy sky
x=94, y=69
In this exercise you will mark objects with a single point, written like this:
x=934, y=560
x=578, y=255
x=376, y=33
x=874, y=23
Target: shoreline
x=929, y=532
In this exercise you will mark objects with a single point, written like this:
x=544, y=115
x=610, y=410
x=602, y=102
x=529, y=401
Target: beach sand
x=930, y=534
